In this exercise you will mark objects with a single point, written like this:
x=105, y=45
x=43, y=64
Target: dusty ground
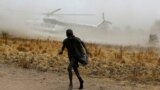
x=15, y=78
x=110, y=67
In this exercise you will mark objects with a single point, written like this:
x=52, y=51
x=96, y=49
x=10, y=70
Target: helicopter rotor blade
x=73, y=14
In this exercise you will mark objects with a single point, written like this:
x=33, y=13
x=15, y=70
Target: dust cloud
x=15, y=23
x=111, y=36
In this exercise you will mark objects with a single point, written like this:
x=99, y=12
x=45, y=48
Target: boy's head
x=69, y=33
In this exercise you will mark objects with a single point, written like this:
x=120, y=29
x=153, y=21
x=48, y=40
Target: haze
x=124, y=14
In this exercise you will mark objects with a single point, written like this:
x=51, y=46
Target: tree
x=153, y=38
x=5, y=36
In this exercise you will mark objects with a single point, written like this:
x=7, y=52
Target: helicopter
x=49, y=23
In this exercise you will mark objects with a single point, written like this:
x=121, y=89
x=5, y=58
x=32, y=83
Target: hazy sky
x=122, y=13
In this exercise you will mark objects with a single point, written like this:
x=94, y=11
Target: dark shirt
x=74, y=47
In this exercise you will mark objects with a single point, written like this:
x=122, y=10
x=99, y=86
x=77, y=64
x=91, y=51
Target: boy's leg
x=70, y=74
x=79, y=77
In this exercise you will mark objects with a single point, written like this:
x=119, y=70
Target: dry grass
x=131, y=63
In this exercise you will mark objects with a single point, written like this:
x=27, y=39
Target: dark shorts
x=73, y=63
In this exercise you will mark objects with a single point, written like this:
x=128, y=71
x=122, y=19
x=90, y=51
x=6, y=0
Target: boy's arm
x=84, y=47
x=62, y=49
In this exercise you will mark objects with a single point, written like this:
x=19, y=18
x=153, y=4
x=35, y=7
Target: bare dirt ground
x=15, y=78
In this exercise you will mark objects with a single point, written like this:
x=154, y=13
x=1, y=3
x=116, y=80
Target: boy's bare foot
x=70, y=87
x=81, y=84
